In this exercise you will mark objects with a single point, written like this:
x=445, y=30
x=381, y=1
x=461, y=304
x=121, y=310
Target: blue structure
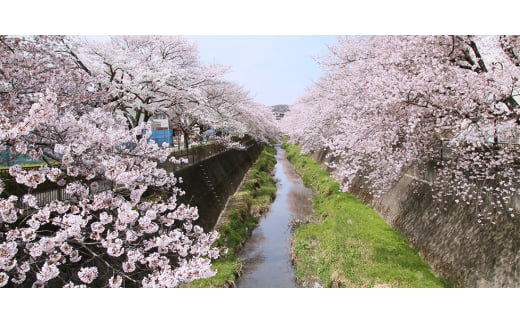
x=6, y=159
x=162, y=136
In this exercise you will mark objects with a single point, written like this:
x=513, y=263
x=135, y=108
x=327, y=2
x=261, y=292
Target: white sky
x=274, y=69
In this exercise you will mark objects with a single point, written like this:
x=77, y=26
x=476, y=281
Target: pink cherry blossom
x=88, y=274
x=4, y=278
x=115, y=281
x=48, y=272
x=83, y=109
x=390, y=104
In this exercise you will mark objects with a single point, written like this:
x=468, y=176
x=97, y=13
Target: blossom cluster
x=150, y=75
x=119, y=223
x=390, y=104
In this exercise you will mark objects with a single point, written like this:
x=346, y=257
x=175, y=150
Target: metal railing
x=192, y=155
x=446, y=152
x=48, y=191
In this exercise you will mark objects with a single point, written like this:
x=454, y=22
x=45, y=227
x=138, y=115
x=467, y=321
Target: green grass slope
x=349, y=244
x=240, y=217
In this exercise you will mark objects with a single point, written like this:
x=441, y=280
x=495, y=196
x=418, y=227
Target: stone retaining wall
x=463, y=251
x=209, y=183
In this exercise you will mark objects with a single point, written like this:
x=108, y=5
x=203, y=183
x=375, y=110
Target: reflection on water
x=267, y=253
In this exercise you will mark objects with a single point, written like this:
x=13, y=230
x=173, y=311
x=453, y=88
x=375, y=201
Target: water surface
x=267, y=253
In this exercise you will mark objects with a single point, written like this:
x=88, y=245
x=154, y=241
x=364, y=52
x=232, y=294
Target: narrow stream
x=267, y=253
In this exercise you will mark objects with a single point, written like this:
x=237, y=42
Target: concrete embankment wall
x=458, y=247
x=209, y=183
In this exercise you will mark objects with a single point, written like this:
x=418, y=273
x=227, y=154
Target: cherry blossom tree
x=230, y=107
x=147, y=75
x=121, y=225
x=390, y=103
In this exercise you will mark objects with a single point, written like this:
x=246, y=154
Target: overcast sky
x=274, y=69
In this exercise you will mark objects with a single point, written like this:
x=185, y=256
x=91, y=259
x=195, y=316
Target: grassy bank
x=349, y=244
x=238, y=220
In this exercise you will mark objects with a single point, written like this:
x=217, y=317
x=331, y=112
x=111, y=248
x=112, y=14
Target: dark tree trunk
x=186, y=139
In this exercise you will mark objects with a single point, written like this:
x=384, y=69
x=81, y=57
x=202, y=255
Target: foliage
x=388, y=103
x=151, y=75
x=121, y=225
x=350, y=245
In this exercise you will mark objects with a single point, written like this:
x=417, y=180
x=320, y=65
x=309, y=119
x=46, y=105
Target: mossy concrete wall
x=209, y=183
x=465, y=252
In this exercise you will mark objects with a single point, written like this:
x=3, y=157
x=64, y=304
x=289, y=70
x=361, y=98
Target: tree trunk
x=186, y=139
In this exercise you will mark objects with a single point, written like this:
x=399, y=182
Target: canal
x=266, y=256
